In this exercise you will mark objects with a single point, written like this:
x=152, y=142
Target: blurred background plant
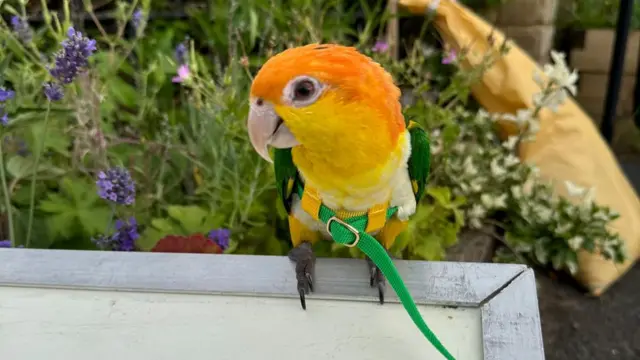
x=145, y=148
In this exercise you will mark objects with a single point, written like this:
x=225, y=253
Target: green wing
x=286, y=176
x=420, y=159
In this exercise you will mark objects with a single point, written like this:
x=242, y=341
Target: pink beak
x=267, y=128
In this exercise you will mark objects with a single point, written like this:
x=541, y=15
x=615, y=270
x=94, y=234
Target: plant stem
x=38, y=154
x=7, y=199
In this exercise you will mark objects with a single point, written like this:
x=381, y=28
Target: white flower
x=543, y=212
x=521, y=117
x=601, y=215
x=516, y=191
x=511, y=160
x=433, y=6
x=561, y=229
x=469, y=168
x=476, y=185
x=537, y=78
x=587, y=195
x=559, y=73
x=477, y=211
x=511, y=142
x=494, y=202
x=496, y=169
x=573, y=189
x=475, y=223
x=575, y=242
x=481, y=117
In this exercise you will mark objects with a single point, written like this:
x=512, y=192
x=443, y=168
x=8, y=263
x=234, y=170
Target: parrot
x=333, y=119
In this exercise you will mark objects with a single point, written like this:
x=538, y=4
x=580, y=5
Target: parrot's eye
x=302, y=91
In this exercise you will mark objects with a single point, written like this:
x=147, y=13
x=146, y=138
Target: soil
x=577, y=326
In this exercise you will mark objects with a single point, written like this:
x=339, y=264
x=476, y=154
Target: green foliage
x=594, y=14
x=75, y=210
x=182, y=220
x=187, y=148
x=434, y=227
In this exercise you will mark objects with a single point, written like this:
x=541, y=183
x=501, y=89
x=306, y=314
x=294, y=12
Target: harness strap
x=310, y=202
x=352, y=232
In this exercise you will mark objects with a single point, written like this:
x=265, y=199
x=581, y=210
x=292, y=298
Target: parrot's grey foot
x=377, y=279
x=305, y=261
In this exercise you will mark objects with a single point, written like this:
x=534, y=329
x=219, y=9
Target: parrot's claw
x=305, y=261
x=377, y=279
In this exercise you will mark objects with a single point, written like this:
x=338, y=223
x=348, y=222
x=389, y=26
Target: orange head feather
x=356, y=112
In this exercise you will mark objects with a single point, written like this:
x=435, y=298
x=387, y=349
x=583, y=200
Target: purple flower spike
x=53, y=91
x=181, y=54
x=126, y=235
x=116, y=185
x=21, y=27
x=73, y=57
x=7, y=244
x=137, y=18
x=221, y=237
x=124, y=238
x=5, y=95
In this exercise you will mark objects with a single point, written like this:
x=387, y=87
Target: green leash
x=350, y=232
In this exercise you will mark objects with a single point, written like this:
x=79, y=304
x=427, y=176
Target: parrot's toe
x=377, y=280
x=305, y=260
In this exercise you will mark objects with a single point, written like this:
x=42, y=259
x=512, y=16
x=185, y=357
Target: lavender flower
x=53, y=91
x=73, y=57
x=126, y=235
x=380, y=47
x=124, y=238
x=136, y=19
x=220, y=237
x=116, y=185
x=5, y=95
x=181, y=54
x=7, y=244
x=21, y=28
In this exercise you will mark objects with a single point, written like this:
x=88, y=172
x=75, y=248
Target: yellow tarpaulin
x=568, y=145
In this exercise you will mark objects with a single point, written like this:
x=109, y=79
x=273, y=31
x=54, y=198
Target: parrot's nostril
x=259, y=102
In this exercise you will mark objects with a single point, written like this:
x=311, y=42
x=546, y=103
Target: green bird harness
x=352, y=232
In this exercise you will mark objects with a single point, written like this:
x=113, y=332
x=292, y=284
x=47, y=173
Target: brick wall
x=529, y=23
x=591, y=55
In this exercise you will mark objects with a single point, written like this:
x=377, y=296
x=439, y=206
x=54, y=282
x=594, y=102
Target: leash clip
x=351, y=229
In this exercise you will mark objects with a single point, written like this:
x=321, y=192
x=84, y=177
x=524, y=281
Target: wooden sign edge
x=505, y=293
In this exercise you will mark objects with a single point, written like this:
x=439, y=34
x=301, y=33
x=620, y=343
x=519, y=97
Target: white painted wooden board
x=92, y=305
x=52, y=324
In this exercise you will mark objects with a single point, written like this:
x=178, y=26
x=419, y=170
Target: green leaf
x=149, y=238
x=191, y=218
x=75, y=212
x=20, y=167
x=167, y=227
x=442, y=195
x=62, y=225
